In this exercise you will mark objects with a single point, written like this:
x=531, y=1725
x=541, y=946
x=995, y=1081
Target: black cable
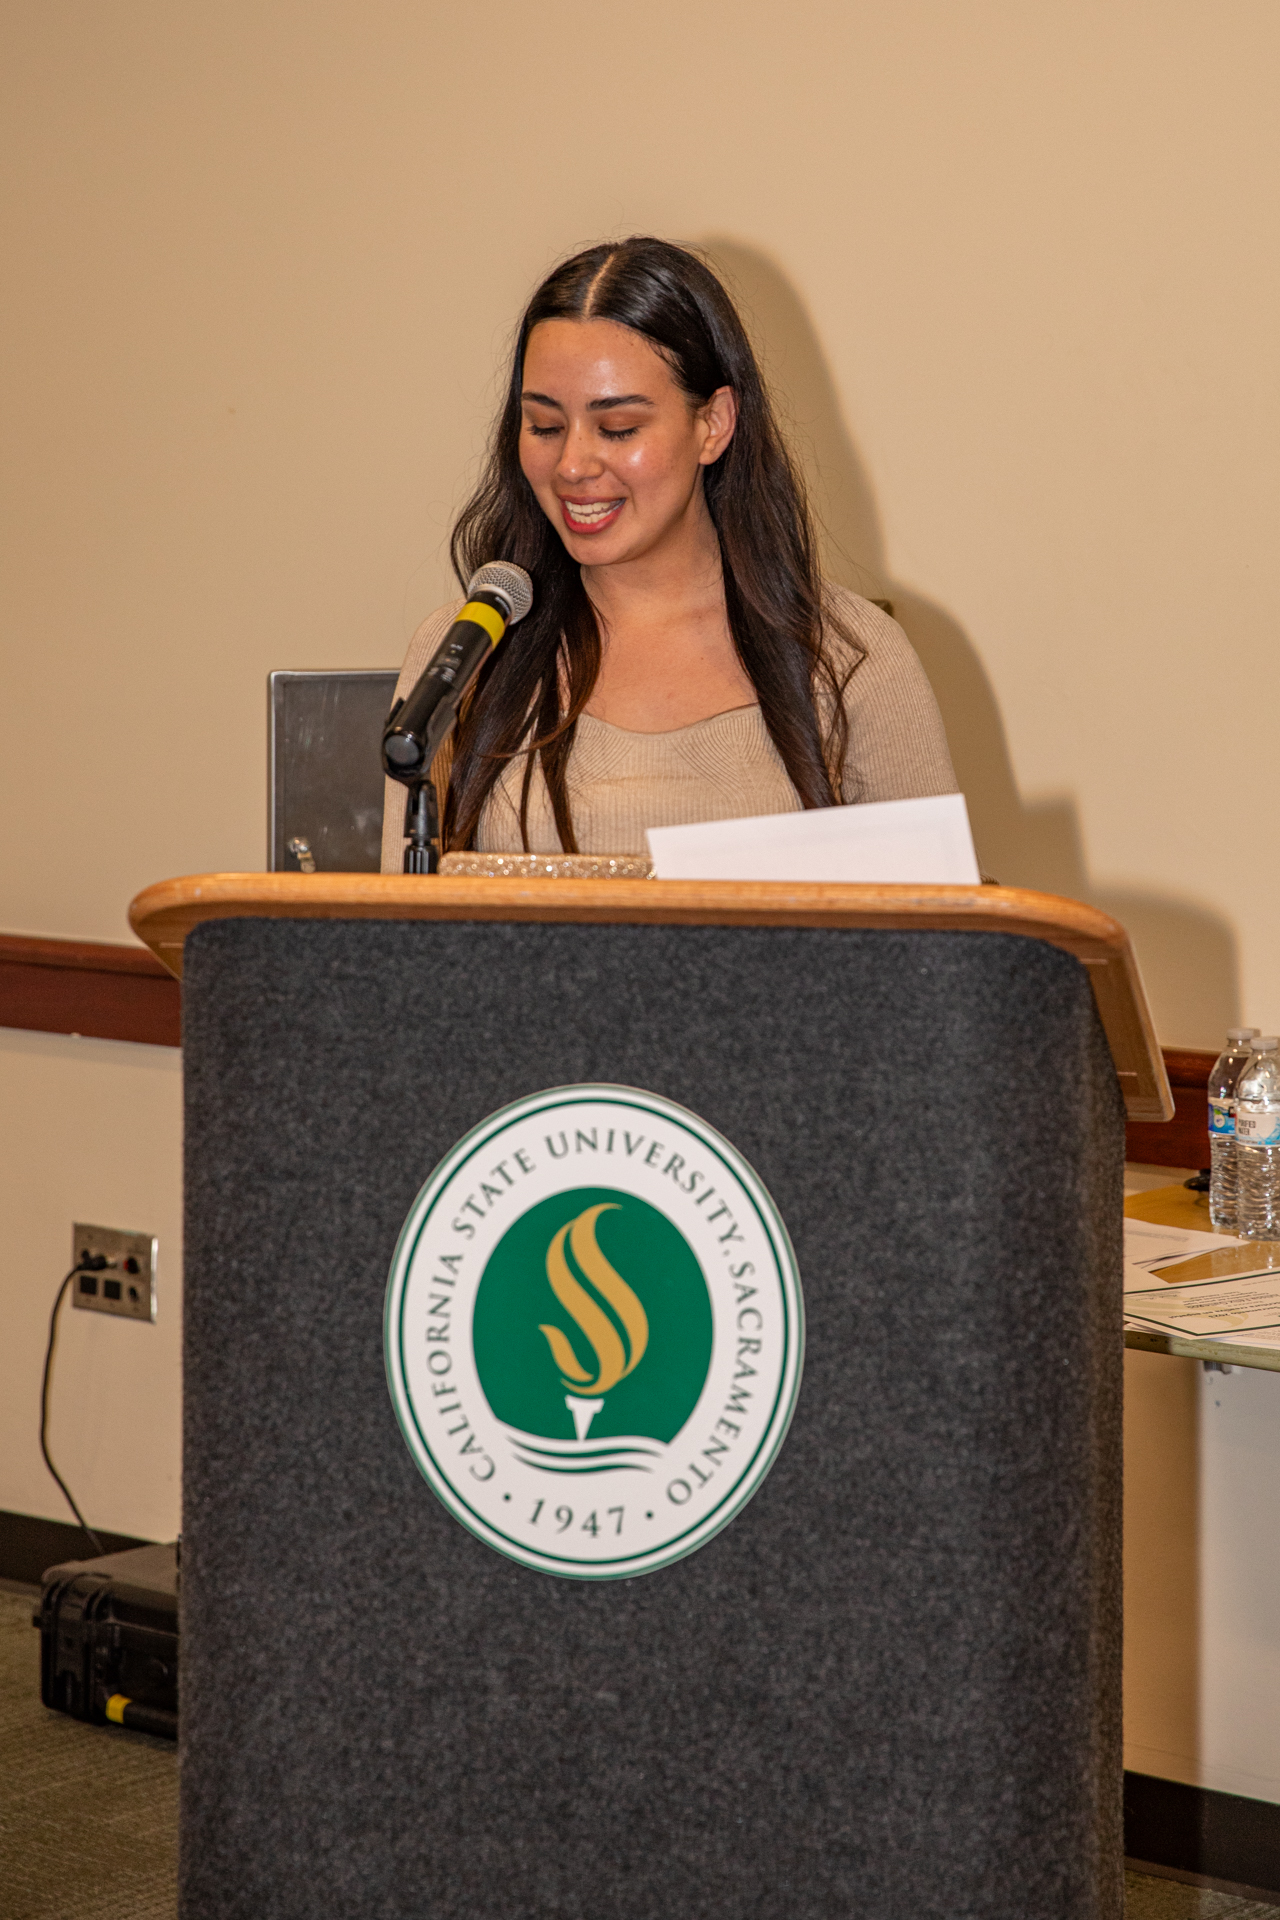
x=44, y=1413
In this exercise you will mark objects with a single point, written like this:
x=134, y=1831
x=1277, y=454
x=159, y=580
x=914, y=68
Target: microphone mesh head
x=512, y=582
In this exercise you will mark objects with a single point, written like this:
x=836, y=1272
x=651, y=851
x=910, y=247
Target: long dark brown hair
x=531, y=691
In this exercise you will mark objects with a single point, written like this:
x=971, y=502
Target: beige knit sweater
x=725, y=768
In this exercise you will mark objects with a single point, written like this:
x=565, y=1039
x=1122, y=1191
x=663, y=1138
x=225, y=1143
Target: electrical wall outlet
x=115, y=1271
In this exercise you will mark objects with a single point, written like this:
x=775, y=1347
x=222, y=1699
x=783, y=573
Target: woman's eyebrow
x=619, y=400
x=593, y=406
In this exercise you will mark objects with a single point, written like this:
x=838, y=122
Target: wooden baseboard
x=1202, y=1835
x=28, y=1545
x=1190, y=1832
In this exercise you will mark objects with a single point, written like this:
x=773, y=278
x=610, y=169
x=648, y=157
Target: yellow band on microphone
x=487, y=617
x=116, y=1706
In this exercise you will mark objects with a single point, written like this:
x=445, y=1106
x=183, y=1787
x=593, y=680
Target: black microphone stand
x=422, y=827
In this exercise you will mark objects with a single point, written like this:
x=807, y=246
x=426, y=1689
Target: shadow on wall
x=1188, y=955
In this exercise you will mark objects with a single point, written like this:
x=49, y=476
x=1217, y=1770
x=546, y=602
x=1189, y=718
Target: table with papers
x=1188, y=1291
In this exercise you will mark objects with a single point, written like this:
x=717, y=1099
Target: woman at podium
x=683, y=660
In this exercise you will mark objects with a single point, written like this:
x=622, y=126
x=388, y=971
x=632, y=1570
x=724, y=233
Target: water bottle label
x=1222, y=1118
x=1258, y=1129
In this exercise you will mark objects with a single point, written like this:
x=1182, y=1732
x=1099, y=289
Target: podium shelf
x=164, y=914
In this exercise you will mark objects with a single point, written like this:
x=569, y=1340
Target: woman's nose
x=579, y=456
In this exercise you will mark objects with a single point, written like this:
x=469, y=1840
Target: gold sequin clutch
x=546, y=866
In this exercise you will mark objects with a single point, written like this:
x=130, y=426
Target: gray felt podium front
x=891, y=1686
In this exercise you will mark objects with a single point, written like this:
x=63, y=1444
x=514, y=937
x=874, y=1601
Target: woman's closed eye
x=606, y=433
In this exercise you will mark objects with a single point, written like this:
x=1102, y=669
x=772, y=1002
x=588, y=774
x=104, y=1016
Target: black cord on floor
x=44, y=1413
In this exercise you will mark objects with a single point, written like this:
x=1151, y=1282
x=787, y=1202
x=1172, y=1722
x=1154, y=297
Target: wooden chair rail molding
x=1184, y=1140
x=165, y=914
x=93, y=988
x=116, y=992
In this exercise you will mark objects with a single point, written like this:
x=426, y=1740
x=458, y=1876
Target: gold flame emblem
x=614, y=1359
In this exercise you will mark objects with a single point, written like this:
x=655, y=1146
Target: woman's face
x=610, y=444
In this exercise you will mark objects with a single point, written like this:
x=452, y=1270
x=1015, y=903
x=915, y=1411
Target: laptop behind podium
x=325, y=770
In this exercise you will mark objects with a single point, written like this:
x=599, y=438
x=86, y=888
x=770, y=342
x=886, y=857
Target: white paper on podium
x=927, y=842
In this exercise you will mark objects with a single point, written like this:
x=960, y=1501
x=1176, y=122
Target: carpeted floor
x=1149, y=1899
x=89, y=1815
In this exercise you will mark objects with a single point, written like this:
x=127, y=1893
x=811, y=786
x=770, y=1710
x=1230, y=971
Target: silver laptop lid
x=325, y=779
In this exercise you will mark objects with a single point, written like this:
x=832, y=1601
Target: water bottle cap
x=1266, y=1043
x=1241, y=1033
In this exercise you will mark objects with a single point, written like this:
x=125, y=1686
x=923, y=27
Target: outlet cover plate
x=127, y=1287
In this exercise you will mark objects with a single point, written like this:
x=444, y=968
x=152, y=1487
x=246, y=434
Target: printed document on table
x=1201, y=1286
x=1147, y=1245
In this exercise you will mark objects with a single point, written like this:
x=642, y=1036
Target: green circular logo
x=594, y=1332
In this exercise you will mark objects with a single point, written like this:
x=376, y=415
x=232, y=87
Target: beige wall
x=90, y=1130
x=1015, y=269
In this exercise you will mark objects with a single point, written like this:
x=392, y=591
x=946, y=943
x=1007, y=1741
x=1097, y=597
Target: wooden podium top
x=163, y=916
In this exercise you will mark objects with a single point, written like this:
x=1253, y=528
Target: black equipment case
x=109, y=1639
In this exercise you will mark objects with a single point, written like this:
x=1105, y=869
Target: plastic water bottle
x=1258, y=1142
x=1227, y=1069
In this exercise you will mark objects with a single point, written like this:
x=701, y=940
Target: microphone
x=498, y=595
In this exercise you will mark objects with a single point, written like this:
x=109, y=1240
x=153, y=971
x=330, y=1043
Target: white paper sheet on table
x=1241, y=1309
x=926, y=842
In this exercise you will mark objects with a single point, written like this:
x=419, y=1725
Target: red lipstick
x=595, y=521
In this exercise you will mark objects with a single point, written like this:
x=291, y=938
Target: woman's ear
x=718, y=418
